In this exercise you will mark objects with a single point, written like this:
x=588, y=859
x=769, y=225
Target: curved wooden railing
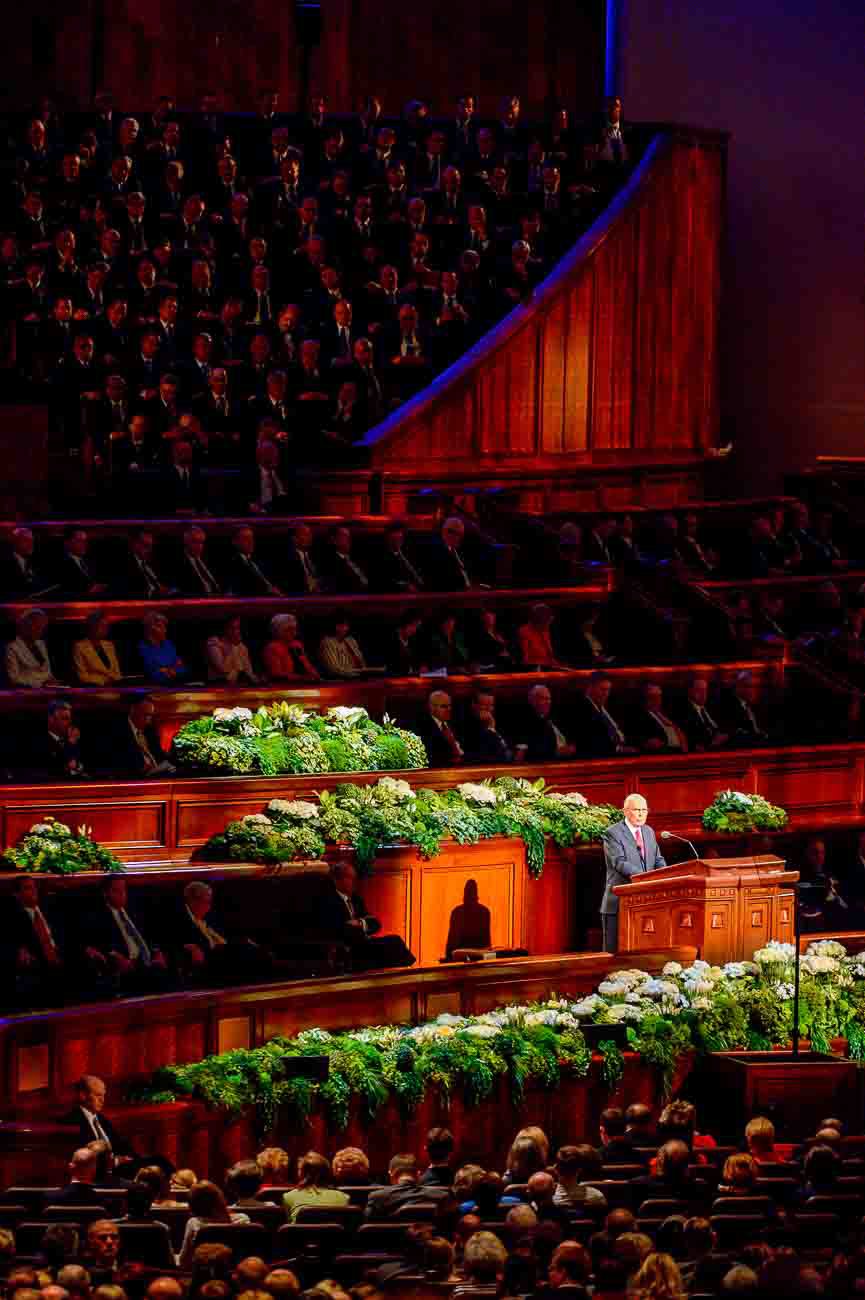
x=615, y=352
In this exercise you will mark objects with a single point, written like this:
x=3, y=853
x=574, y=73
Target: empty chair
x=146, y=1243
x=418, y=1212
x=382, y=1236
x=28, y=1236
x=242, y=1239
x=738, y=1229
x=620, y=1172
x=782, y=1190
x=268, y=1215
x=659, y=1208
x=33, y=1197
x=82, y=1214
x=311, y=1242
x=744, y=1205
x=350, y=1216
x=848, y=1208
x=359, y=1194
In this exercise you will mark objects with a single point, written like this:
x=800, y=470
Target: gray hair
x=484, y=1257
x=438, y=697
x=279, y=621
x=197, y=889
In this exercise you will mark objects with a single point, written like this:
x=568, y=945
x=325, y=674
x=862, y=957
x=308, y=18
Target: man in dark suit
x=540, y=739
x=202, y=949
x=617, y=1145
x=244, y=575
x=342, y=915
x=74, y=577
x=390, y=568
x=405, y=1189
x=699, y=725
x=53, y=752
x=435, y=730
x=630, y=848
x=446, y=568
x=20, y=576
x=138, y=579
x=482, y=740
x=195, y=576
x=32, y=946
x=342, y=572
x=114, y=945
x=181, y=487
x=82, y=1174
x=741, y=721
x=134, y=748
x=88, y=1114
x=599, y=732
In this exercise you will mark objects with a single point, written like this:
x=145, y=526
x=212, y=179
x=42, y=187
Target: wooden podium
x=726, y=907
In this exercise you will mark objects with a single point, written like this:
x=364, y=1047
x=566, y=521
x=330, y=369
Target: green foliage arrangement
x=282, y=738
x=52, y=847
x=684, y=1011
x=391, y=811
x=733, y=813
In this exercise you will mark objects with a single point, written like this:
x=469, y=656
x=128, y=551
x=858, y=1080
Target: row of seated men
x=101, y=947
x=689, y=1217
x=413, y=247
x=538, y=725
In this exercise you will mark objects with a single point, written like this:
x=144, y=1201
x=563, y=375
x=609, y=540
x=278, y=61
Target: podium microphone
x=668, y=835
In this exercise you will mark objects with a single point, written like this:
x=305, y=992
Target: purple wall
x=785, y=77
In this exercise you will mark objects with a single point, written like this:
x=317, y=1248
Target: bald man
x=630, y=848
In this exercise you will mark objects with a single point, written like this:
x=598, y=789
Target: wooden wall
x=143, y=48
x=614, y=357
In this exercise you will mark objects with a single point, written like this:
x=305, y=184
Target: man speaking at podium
x=630, y=848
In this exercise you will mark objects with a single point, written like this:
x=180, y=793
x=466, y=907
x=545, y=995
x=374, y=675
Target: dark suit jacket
x=437, y=748
x=16, y=932
x=119, y=1145
x=385, y=1203
x=242, y=580
x=482, y=745
x=45, y=756
x=123, y=757
x=331, y=917
x=73, y=584
x=187, y=580
x=13, y=583
x=594, y=738
x=443, y=571
x=175, y=494
x=538, y=734
x=129, y=582
x=179, y=930
x=623, y=861
x=98, y=929
x=698, y=732
x=388, y=572
x=339, y=576
x=77, y=1193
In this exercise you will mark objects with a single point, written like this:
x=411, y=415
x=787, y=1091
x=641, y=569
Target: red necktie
x=638, y=836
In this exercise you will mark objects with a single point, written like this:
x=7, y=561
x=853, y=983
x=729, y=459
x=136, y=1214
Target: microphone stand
x=670, y=835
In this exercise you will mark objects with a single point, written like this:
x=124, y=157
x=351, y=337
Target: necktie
x=257, y=571
x=455, y=747
x=101, y=1135
x=462, y=568
x=136, y=947
x=412, y=572
x=101, y=653
x=309, y=575
x=146, y=752
x=358, y=572
x=204, y=575
x=150, y=578
x=43, y=934
x=616, y=144
x=213, y=937
x=638, y=836
x=707, y=720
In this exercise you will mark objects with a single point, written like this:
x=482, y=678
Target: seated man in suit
x=20, y=576
x=206, y=952
x=700, y=727
x=195, y=577
x=79, y=1190
x=600, y=734
x=446, y=567
x=405, y=1189
x=741, y=721
x=342, y=915
x=630, y=848
x=435, y=730
x=32, y=947
x=88, y=1115
x=74, y=578
x=114, y=946
x=54, y=750
x=540, y=739
x=391, y=569
x=342, y=572
x=135, y=749
x=138, y=578
x=655, y=730
x=245, y=576
x=483, y=742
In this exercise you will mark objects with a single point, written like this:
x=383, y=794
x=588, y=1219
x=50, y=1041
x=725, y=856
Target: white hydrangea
x=736, y=797
x=348, y=715
x=785, y=992
x=672, y=968
x=701, y=1004
x=826, y=948
x=42, y=828
x=610, y=989
x=232, y=715
x=632, y=979
x=396, y=789
x=625, y=1012
x=314, y=1036
x=814, y=964
x=447, y=1019
x=736, y=970
x=476, y=793
x=482, y=1031
x=588, y=1006
x=654, y=988
x=299, y=809
x=573, y=798
x=775, y=953
x=257, y=819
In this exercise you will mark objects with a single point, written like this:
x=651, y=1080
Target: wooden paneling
x=615, y=352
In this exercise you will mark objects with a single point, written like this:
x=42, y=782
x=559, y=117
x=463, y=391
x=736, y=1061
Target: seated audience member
x=672, y=1178
x=284, y=656
x=404, y=657
x=88, y=1116
x=445, y=566
x=529, y=1154
x=245, y=576
x=658, y=1275
x=585, y=645
x=242, y=1185
x=447, y=645
x=439, y=1149
x=195, y=577
x=134, y=747
x=534, y=640
x=341, y=914
x=600, y=734
x=575, y=1167
x=159, y=658
x=21, y=577
x=739, y=1176
x=55, y=751
x=341, y=571
x=202, y=950
x=821, y=1171
x=570, y=1268
x=32, y=946
x=391, y=569
x=314, y=1187
x=227, y=656
x=482, y=741
x=79, y=1188
x=95, y=656
x=138, y=578
x=654, y=730
x=435, y=730
x=702, y=731
x=741, y=722
x=405, y=1189
x=617, y=1145
x=338, y=652
x=207, y=1205
x=640, y=1125
x=74, y=578
x=538, y=738
x=101, y=1256
x=112, y=941
x=484, y=1260
x=351, y=1167
x=27, y=661
x=266, y=488
x=182, y=488
x=273, y=1163
x=158, y=1183
x=678, y=1121
x=490, y=650
x=760, y=1141
x=301, y=575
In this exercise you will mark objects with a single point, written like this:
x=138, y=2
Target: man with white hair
x=630, y=848
x=203, y=948
x=447, y=566
x=442, y=746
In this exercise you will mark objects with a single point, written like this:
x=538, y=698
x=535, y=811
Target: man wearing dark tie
x=342, y=915
x=32, y=946
x=114, y=945
x=630, y=849
x=89, y=1116
x=699, y=725
x=195, y=577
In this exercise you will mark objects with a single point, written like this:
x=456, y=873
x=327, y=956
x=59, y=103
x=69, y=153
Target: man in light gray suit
x=630, y=848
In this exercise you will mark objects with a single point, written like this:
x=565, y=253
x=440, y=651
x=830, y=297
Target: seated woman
x=447, y=646
x=207, y=1205
x=227, y=656
x=159, y=658
x=273, y=1163
x=739, y=1176
x=351, y=1167
x=94, y=657
x=314, y=1187
x=338, y=651
x=285, y=659
x=27, y=661
x=535, y=640
x=489, y=647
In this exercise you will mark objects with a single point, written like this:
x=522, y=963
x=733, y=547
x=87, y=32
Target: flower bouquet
x=733, y=813
x=52, y=847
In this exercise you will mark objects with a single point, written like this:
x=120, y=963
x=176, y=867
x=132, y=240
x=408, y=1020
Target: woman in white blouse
x=27, y=662
x=228, y=657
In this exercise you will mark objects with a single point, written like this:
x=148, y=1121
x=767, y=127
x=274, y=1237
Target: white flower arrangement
x=736, y=797
x=785, y=991
x=814, y=964
x=574, y=799
x=827, y=948
x=624, y=1012
x=476, y=793
x=232, y=715
x=257, y=819
x=482, y=1031
x=775, y=953
x=393, y=788
x=672, y=968
x=346, y=715
x=297, y=809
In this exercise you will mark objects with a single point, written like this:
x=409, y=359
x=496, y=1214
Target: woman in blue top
x=159, y=657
